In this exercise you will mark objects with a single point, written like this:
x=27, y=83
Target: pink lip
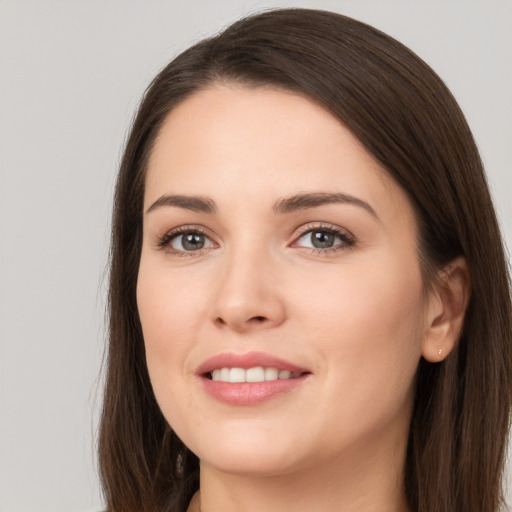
x=247, y=360
x=249, y=393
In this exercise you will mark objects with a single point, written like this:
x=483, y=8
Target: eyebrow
x=315, y=199
x=194, y=203
x=282, y=206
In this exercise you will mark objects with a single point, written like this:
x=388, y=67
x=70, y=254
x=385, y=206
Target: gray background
x=71, y=74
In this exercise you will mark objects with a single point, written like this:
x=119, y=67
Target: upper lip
x=247, y=360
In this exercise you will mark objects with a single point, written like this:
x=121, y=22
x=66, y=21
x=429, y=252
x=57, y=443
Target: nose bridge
x=247, y=294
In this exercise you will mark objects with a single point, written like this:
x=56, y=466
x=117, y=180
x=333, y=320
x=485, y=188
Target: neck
x=372, y=483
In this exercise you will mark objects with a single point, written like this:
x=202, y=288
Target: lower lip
x=250, y=393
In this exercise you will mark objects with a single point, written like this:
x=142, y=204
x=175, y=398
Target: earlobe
x=446, y=310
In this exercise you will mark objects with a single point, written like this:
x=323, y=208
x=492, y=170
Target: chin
x=248, y=454
x=251, y=464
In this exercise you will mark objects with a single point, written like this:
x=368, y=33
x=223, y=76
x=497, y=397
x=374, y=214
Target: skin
x=354, y=314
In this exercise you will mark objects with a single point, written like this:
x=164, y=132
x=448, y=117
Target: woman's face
x=275, y=247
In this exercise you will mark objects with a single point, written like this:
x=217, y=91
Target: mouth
x=255, y=374
x=249, y=379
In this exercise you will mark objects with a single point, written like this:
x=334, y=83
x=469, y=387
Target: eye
x=191, y=241
x=323, y=239
x=185, y=240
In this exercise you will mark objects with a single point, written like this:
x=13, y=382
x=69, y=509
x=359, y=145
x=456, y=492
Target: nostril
x=241, y=322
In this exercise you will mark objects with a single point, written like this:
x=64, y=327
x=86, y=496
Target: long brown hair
x=408, y=120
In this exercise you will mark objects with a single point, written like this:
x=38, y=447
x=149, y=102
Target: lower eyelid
x=161, y=241
x=346, y=237
x=208, y=242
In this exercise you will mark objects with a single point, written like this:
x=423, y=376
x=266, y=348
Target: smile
x=255, y=374
x=250, y=378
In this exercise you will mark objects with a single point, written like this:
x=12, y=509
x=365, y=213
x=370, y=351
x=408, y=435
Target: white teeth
x=256, y=374
x=237, y=375
x=271, y=373
x=224, y=375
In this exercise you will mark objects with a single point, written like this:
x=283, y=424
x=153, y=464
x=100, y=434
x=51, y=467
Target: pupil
x=193, y=242
x=321, y=239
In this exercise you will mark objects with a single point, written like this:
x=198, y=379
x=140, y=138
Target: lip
x=249, y=393
x=246, y=361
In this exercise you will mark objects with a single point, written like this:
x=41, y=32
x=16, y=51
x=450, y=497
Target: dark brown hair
x=407, y=119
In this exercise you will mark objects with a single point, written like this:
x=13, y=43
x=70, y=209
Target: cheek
x=376, y=302
x=170, y=306
x=169, y=311
x=369, y=326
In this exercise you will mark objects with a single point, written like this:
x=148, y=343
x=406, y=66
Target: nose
x=249, y=296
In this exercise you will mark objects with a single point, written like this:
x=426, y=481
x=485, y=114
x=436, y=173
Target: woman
x=309, y=302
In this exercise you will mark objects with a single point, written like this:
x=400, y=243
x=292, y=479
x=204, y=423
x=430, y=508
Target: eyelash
x=163, y=242
x=346, y=237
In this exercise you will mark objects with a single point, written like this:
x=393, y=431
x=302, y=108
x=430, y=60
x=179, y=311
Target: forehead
x=232, y=142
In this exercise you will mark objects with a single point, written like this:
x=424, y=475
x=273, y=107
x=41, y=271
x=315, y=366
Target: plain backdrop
x=71, y=75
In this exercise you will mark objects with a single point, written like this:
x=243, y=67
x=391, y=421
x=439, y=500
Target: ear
x=446, y=309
